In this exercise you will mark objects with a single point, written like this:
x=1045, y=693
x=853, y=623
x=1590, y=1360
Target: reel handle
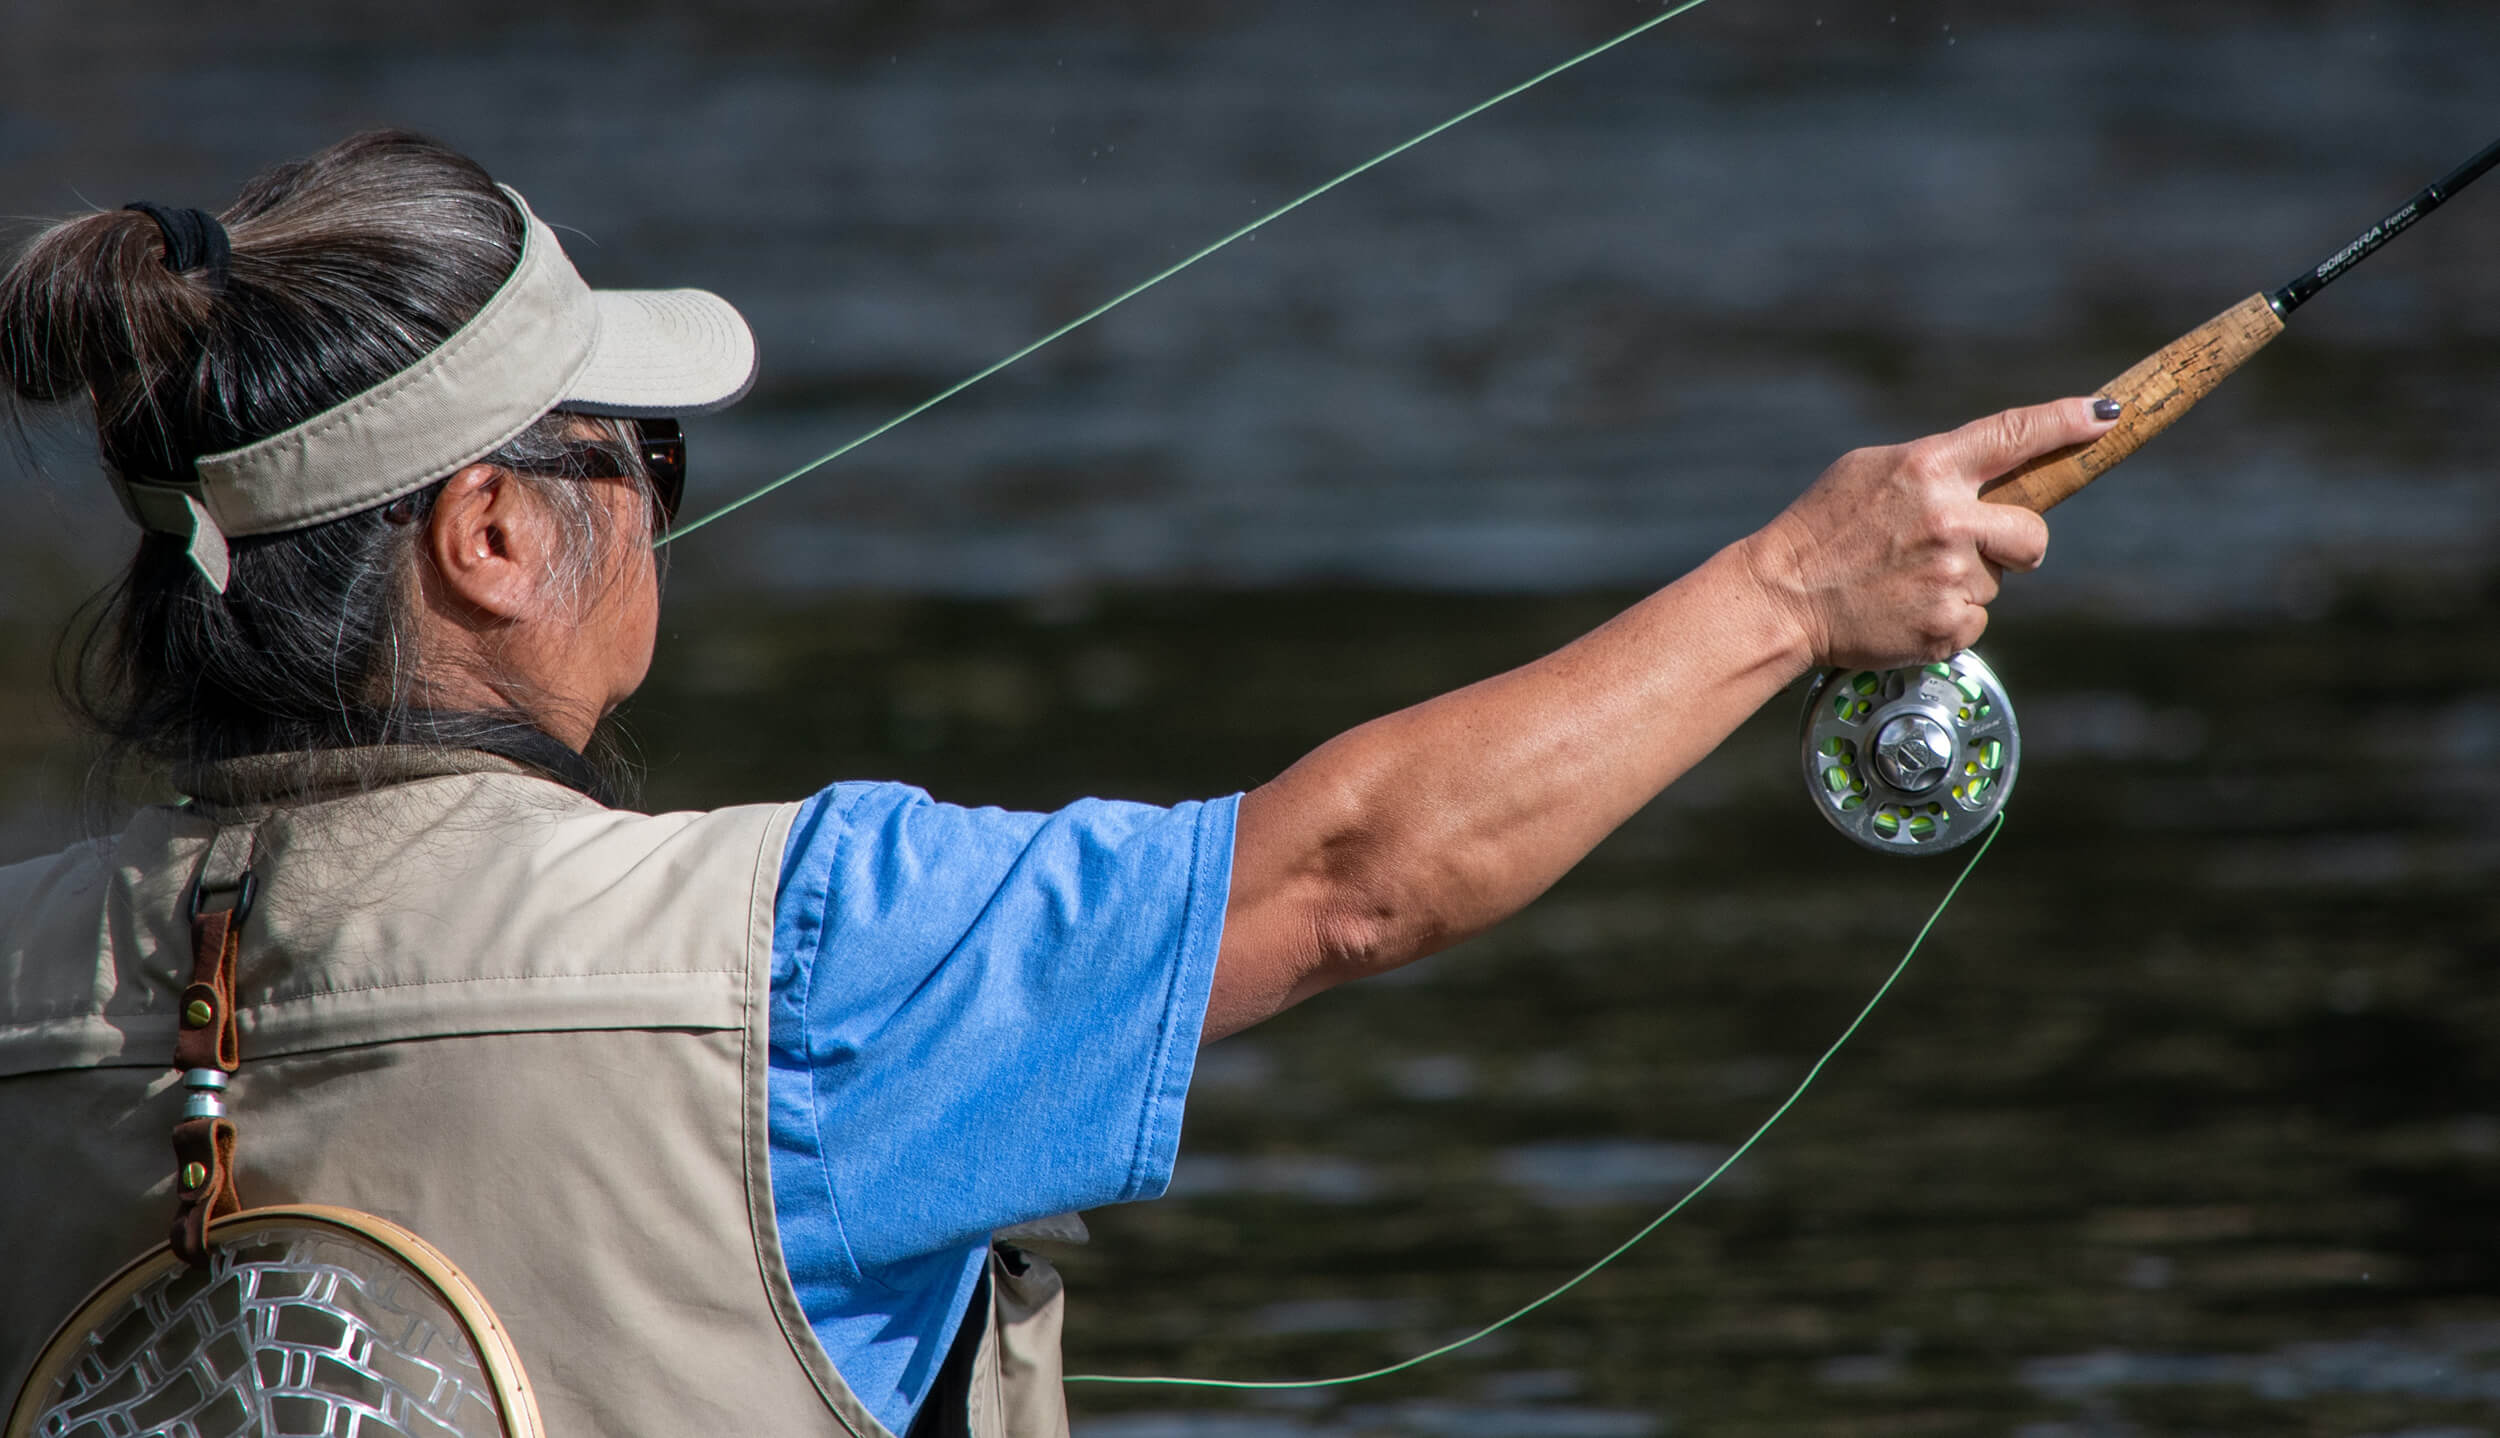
x=2156, y=393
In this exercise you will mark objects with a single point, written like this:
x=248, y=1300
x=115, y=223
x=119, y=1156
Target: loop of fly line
x=1619, y=1250
x=1916, y=943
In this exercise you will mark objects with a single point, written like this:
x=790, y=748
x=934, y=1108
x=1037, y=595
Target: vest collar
x=258, y=780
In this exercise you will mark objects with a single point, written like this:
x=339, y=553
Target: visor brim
x=664, y=352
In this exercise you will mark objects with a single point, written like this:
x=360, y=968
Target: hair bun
x=89, y=311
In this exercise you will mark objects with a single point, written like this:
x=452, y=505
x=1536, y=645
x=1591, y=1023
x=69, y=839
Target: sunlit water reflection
x=2188, y=1120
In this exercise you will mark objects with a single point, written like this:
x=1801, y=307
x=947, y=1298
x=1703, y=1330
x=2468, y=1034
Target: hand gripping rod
x=2167, y=385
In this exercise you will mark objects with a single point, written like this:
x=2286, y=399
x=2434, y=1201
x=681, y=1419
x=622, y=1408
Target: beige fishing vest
x=474, y=1002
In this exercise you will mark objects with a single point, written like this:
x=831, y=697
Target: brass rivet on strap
x=198, y=1013
x=194, y=1174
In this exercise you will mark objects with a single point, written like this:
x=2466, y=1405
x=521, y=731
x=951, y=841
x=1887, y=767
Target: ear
x=488, y=540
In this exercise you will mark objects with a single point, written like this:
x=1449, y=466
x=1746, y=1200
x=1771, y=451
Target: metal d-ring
x=243, y=892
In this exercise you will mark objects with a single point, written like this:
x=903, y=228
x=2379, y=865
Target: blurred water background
x=2186, y=1124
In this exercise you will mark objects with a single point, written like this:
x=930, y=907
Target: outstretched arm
x=1418, y=829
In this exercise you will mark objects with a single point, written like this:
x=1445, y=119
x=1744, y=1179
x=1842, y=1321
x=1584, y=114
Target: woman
x=722, y=1110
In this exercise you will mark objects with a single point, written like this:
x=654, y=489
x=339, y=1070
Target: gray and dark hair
x=346, y=268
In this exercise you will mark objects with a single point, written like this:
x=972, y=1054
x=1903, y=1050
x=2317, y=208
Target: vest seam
x=313, y=995
x=264, y=1020
x=815, y=1110
x=267, y=1055
x=615, y=976
x=755, y=1073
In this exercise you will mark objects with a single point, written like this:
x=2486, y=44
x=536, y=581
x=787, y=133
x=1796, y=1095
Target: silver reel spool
x=1911, y=761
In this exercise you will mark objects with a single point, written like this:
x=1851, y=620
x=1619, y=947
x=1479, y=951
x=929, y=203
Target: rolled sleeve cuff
x=1185, y=1000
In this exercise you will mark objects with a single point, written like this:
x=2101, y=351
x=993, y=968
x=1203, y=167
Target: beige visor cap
x=545, y=341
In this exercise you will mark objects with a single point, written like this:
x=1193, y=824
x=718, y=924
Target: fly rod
x=2168, y=384
x=1922, y=760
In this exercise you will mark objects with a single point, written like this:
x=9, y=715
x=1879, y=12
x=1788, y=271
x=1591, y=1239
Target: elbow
x=1355, y=935
x=1353, y=874
x=1382, y=905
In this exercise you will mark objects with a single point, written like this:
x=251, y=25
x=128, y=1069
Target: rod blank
x=2300, y=291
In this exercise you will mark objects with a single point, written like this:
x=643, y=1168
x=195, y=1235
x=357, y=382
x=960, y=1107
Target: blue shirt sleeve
x=978, y=1018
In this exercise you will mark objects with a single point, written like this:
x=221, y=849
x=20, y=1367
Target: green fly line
x=1087, y=318
x=942, y=396
x=1628, y=1244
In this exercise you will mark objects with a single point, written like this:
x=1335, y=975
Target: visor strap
x=165, y=509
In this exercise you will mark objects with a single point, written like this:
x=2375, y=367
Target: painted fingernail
x=2107, y=409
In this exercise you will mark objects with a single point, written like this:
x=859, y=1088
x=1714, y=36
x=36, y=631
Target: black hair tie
x=193, y=239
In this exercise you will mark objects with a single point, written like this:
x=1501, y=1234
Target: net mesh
x=290, y=1331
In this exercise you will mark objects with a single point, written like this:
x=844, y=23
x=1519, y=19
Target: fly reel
x=1911, y=761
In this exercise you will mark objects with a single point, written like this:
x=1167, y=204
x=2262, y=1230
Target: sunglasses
x=662, y=446
x=664, y=455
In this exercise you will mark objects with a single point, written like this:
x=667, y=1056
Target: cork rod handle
x=2156, y=393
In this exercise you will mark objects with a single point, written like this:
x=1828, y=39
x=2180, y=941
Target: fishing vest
x=473, y=1002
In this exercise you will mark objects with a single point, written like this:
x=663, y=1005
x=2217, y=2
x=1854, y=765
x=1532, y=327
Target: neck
x=518, y=669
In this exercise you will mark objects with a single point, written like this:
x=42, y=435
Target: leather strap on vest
x=208, y=1047
x=204, y=1185
x=208, y=1037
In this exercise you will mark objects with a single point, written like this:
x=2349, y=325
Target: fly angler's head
x=1911, y=761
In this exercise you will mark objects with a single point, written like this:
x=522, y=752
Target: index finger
x=1987, y=449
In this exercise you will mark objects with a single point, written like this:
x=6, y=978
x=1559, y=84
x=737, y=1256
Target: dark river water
x=2187, y=1122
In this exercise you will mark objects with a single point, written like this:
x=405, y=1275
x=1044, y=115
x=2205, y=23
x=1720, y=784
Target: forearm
x=1418, y=829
